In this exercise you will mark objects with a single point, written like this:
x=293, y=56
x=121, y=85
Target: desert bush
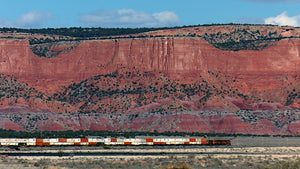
x=42, y=163
x=287, y=165
x=178, y=166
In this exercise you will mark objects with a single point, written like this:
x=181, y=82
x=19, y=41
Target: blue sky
x=145, y=13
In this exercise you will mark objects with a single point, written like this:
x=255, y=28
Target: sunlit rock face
x=172, y=72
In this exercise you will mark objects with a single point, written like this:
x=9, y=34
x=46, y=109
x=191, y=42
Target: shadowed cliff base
x=242, y=122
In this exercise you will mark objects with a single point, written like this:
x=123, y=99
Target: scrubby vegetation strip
x=105, y=133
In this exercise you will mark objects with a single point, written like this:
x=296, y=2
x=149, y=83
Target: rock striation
x=179, y=58
x=176, y=70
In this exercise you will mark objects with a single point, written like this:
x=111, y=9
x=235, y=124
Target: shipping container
x=192, y=139
x=73, y=140
x=31, y=142
x=204, y=141
x=113, y=140
x=93, y=140
x=127, y=143
x=137, y=141
x=149, y=140
x=62, y=140
x=84, y=140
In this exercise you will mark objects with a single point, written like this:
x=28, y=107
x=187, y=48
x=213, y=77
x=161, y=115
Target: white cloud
x=129, y=18
x=283, y=20
x=33, y=19
x=166, y=17
x=274, y=1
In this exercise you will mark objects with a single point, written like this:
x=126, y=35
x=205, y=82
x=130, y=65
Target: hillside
x=205, y=69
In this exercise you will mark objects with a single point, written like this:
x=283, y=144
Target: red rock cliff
x=265, y=80
x=180, y=58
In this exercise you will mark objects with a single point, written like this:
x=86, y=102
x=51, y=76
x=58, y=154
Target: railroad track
x=158, y=152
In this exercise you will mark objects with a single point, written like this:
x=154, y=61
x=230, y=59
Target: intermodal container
x=127, y=143
x=204, y=141
x=113, y=140
x=84, y=140
x=192, y=139
x=149, y=140
x=39, y=141
x=62, y=140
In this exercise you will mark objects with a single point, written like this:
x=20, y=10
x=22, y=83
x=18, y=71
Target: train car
x=17, y=142
x=219, y=142
x=109, y=141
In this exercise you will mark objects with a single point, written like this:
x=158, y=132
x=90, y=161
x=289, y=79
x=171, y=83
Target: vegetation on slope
x=99, y=32
x=239, y=39
x=127, y=90
x=82, y=32
x=106, y=133
x=13, y=91
x=11, y=88
x=242, y=39
x=132, y=90
x=52, y=49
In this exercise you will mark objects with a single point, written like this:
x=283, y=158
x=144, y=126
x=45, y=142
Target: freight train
x=94, y=141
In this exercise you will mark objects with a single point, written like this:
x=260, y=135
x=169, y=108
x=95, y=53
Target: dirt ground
x=189, y=161
x=260, y=152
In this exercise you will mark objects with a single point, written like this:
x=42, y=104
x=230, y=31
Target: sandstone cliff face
x=179, y=58
x=157, y=74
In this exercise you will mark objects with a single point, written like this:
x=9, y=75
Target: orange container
x=39, y=140
x=192, y=140
x=63, y=140
x=76, y=144
x=127, y=143
x=203, y=141
x=84, y=140
x=149, y=140
x=113, y=140
x=186, y=143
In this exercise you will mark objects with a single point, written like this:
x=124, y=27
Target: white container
x=93, y=140
x=73, y=140
x=53, y=141
x=107, y=141
x=136, y=141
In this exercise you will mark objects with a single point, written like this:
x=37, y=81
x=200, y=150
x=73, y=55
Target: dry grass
x=178, y=166
x=288, y=164
x=206, y=157
x=152, y=163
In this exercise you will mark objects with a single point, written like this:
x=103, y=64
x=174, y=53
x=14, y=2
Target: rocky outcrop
x=53, y=49
x=164, y=71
